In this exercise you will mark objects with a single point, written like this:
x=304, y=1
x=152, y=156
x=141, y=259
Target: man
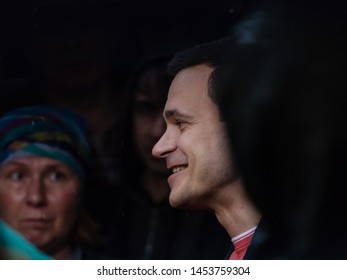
x=144, y=225
x=197, y=150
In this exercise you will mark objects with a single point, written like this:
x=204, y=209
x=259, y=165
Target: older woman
x=43, y=159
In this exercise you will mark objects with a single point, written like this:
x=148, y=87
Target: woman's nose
x=36, y=194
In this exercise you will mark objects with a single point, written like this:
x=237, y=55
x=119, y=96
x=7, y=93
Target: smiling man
x=197, y=149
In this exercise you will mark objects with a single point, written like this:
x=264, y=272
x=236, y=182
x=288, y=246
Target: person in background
x=196, y=147
x=44, y=158
x=146, y=226
x=287, y=122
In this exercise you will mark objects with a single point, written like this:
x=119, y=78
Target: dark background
x=135, y=27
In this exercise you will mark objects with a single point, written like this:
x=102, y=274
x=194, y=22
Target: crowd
x=122, y=144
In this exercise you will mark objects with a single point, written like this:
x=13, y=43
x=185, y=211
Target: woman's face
x=40, y=198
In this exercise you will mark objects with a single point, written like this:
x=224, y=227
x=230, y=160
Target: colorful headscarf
x=45, y=131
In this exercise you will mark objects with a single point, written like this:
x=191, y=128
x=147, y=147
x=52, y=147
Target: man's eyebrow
x=175, y=114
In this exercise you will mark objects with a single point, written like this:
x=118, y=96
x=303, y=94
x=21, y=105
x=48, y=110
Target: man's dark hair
x=211, y=54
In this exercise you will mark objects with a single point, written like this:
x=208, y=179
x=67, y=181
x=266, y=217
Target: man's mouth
x=178, y=168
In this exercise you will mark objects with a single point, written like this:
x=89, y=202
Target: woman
x=44, y=156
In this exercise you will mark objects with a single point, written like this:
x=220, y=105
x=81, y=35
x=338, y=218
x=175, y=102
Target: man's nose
x=165, y=145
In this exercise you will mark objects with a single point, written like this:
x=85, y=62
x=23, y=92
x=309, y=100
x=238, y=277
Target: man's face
x=39, y=197
x=195, y=143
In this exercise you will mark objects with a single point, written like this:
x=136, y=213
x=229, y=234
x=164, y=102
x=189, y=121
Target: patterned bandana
x=45, y=131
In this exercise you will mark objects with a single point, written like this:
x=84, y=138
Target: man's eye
x=179, y=123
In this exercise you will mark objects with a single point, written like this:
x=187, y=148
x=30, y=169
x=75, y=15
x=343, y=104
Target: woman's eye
x=16, y=176
x=57, y=175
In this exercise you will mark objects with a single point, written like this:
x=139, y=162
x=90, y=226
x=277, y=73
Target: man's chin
x=176, y=202
x=185, y=203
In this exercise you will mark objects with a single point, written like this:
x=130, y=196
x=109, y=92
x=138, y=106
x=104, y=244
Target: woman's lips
x=35, y=222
